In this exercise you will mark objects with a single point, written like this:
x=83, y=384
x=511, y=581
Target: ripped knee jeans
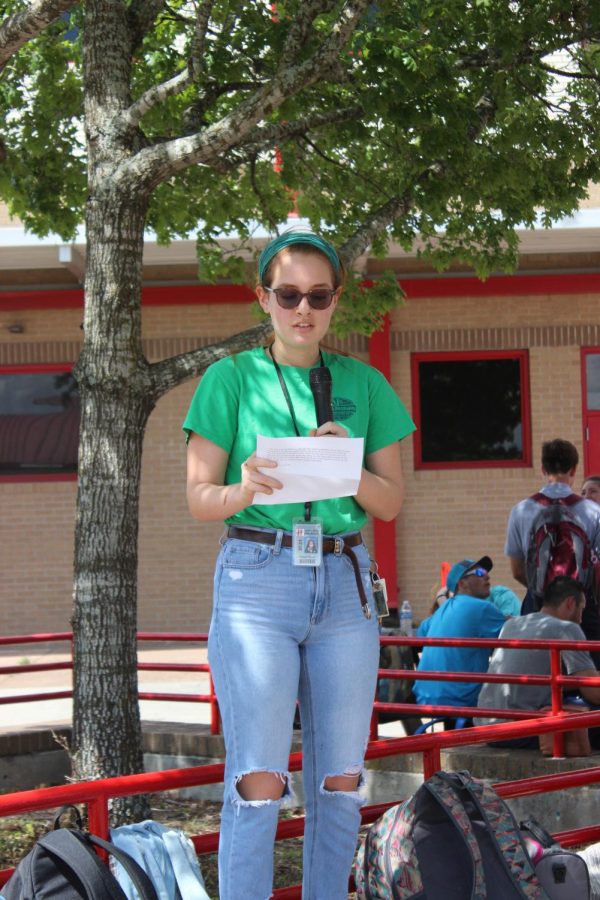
x=280, y=633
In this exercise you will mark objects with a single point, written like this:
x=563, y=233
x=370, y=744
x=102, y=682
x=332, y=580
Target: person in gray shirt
x=558, y=619
x=559, y=467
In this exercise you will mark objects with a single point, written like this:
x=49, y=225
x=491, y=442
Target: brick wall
x=447, y=514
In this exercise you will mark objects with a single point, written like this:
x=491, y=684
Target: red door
x=591, y=409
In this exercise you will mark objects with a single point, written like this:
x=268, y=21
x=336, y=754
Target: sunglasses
x=290, y=298
x=479, y=572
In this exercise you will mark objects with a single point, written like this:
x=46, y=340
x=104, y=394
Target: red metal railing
x=96, y=794
x=67, y=636
x=555, y=680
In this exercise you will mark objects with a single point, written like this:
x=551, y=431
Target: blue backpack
x=454, y=839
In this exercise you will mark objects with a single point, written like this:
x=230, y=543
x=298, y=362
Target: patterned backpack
x=454, y=839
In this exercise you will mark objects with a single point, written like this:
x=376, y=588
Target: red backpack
x=559, y=545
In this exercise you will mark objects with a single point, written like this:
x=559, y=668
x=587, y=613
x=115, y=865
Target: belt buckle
x=338, y=547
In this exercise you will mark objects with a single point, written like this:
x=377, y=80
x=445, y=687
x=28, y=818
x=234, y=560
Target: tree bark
x=116, y=400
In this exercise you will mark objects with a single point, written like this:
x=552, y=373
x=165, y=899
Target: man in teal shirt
x=466, y=614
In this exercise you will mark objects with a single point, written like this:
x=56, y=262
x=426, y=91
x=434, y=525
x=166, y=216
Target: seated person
x=466, y=614
x=558, y=619
x=505, y=600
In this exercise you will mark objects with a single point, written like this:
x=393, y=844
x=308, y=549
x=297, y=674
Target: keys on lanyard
x=379, y=592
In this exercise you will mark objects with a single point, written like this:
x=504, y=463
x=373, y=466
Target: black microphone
x=320, y=385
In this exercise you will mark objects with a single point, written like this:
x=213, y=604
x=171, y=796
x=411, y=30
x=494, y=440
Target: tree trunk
x=116, y=400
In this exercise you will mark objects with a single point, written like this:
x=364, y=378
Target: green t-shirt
x=240, y=397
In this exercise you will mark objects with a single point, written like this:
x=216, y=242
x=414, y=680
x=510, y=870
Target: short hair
x=560, y=588
x=559, y=457
x=594, y=478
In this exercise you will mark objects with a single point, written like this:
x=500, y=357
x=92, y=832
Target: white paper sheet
x=311, y=468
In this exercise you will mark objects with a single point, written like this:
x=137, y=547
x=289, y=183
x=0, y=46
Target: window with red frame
x=471, y=409
x=39, y=421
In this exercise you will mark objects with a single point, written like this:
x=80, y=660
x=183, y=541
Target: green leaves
x=458, y=112
x=363, y=306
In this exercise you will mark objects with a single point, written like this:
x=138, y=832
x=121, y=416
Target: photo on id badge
x=307, y=544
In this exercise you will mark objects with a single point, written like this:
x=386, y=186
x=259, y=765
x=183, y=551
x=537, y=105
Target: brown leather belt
x=330, y=545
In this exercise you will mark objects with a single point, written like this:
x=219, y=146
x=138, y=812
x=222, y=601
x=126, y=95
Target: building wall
x=447, y=515
x=452, y=514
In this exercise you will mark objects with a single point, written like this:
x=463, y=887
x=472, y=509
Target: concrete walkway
x=59, y=712
x=44, y=712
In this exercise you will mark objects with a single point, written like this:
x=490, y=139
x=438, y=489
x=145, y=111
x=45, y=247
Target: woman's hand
x=208, y=498
x=328, y=429
x=254, y=481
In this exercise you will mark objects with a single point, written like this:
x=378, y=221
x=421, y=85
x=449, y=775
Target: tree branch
x=272, y=135
x=168, y=373
x=200, y=31
x=142, y=15
x=131, y=118
x=155, y=164
x=374, y=224
x=23, y=26
x=591, y=76
x=260, y=196
x=301, y=26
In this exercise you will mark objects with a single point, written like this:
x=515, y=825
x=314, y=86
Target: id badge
x=307, y=542
x=380, y=597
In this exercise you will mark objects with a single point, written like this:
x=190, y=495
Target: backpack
x=558, y=545
x=166, y=855
x=63, y=863
x=454, y=839
x=562, y=873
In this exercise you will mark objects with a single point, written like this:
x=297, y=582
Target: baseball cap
x=460, y=569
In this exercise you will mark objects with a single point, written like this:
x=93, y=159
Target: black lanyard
x=288, y=400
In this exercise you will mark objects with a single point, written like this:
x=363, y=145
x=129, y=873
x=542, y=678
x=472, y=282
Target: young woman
x=280, y=631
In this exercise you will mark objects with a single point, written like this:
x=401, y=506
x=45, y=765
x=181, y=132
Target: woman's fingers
x=254, y=480
x=331, y=429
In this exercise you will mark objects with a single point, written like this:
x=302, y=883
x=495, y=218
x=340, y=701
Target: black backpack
x=63, y=864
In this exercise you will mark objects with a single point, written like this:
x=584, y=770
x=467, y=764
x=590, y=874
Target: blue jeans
x=281, y=632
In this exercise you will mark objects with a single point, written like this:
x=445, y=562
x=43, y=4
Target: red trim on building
x=501, y=285
x=384, y=533
x=440, y=286
x=163, y=295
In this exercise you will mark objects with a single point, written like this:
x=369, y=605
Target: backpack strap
x=509, y=841
x=65, y=845
x=74, y=848
x=543, y=500
x=143, y=884
x=538, y=832
x=446, y=794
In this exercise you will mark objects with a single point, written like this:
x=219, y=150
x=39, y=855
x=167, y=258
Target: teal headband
x=290, y=238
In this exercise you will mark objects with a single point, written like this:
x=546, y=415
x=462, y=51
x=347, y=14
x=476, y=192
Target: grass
x=19, y=833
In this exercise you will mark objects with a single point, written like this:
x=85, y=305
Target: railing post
x=432, y=762
x=215, y=724
x=374, y=729
x=558, y=743
x=98, y=822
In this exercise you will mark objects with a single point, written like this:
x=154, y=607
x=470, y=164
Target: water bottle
x=406, y=619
